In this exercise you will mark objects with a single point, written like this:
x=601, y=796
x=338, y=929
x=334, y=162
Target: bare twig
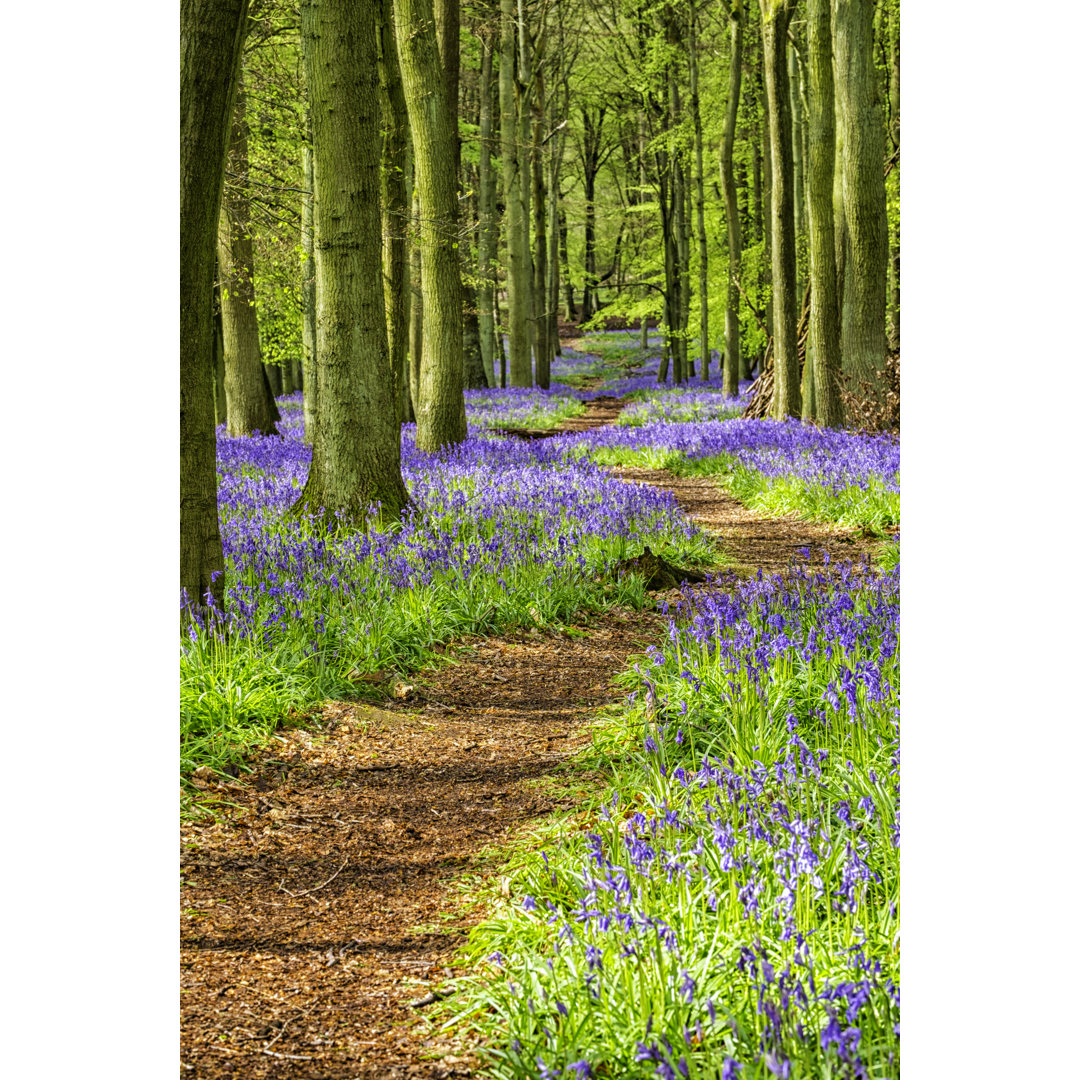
x=305, y=892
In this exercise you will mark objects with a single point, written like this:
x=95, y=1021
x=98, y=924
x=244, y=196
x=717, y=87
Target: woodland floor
x=329, y=899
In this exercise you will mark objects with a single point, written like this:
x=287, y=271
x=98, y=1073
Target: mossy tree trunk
x=787, y=397
x=699, y=193
x=356, y=456
x=251, y=405
x=824, y=283
x=440, y=413
x=859, y=121
x=307, y=290
x=540, y=268
x=486, y=248
x=732, y=340
x=394, y=202
x=516, y=225
x=211, y=38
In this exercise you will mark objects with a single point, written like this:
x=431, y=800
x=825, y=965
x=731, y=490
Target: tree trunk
x=540, y=270
x=394, y=203
x=699, y=175
x=221, y=414
x=273, y=382
x=894, y=133
x=211, y=38
x=416, y=307
x=858, y=117
x=552, y=291
x=787, y=398
x=250, y=407
x=732, y=343
x=524, y=87
x=824, y=284
x=486, y=247
x=591, y=148
x=440, y=415
x=516, y=226
x=307, y=289
x=564, y=262
x=356, y=457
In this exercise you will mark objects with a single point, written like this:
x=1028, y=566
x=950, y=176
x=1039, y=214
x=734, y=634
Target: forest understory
x=325, y=903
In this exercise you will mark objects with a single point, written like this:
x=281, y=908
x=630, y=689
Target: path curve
x=325, y=903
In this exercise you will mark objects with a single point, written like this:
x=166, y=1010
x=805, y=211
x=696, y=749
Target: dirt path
x=300, y=942
x=325, y=902
x=752, y=540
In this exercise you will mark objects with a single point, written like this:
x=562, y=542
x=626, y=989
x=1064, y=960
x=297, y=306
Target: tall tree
x=862, y=132
x=356, y=457
x=787, y=400
x=732, y=343
x=248, y=385
x=307, y=287
x=211, y=38
x=540, y=271
x=440, y=414
x=486, y=246
x=518, y=299
x=824, y=284
x=699, y=192
x=394, y=200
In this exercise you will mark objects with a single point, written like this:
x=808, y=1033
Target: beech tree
x=211, y=39
x=824, y=296
x=516, y=221
x=356, y=455
x=787, y=398
x=440, y=412
x=732, y=344
x=861, y=166
x=249, y=401
x=394, y=200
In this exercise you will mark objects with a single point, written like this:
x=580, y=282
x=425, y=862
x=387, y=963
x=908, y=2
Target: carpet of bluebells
x=504, y=532
x=727, y=905
x=772, y=465
x=730, y=907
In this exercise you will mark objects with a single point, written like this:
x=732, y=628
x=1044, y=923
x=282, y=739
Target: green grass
x=236, y=692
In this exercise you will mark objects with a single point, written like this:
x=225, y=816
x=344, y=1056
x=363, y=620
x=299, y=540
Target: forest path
x=329, y=899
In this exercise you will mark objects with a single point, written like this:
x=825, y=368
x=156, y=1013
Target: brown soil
x=323, y=901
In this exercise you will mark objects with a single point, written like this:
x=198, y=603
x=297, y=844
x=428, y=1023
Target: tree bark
x=524, y=92
x=540, y=269
x=824, y=284
x=516, y=226
x=221, y=414
x=211, y=38
x=858, y=118
x=416, y=306
x=699, y=179
x=564, y=262
x=894, y=136
x=592, y=131
x=486, y=248
x=307, y=289
x=394, y=203
x=732, y=338
x=787, y=398
x=440, y=415
x=356, y=457
x=251, y=406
